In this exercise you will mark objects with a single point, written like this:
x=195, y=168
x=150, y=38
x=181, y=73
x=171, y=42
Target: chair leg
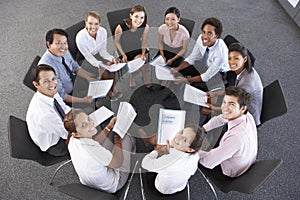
x=60, y=166
x=129, y=181
x=142, y=186
x=188, y=188
x=210, y=184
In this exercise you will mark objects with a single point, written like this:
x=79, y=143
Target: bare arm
x=118, y=34
x=72, y=99
x=117, y=159
x=145, y=41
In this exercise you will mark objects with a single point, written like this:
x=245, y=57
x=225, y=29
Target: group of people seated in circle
x=101, y=158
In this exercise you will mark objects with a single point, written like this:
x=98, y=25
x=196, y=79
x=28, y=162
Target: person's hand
x=124, y=58
x=143, y=57
x=87, y=99
x=111, y=123
x=164, y=149
x=174, y=70
x=169, y=62
x=115, y=61
x=117, y=139
x=180, y=79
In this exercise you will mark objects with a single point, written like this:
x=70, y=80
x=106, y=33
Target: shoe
x=150, y=88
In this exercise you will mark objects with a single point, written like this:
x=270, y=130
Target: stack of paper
x=195, y=96
x=135, y=65
x=170, y=122
x=98, y=89
x=162, y=72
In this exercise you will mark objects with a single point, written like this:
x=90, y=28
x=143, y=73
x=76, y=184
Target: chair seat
x=151, y=192
x=248, y=182
x=80, y=191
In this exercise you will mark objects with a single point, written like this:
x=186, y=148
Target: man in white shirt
x=213, y=52
x=44, y=119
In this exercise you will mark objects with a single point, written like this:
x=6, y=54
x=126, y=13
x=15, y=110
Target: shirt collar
x=51, y=56
x=236, y=122
x=48, y=100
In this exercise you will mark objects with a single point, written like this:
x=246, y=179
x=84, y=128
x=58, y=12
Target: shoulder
x=183, y=30
x=162, y=28
x=102, y=30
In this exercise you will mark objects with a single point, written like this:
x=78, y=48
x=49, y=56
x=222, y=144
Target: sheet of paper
x=100, y=115
x=125, y=116
x=134, y=65
x=163, y=73
x=170, y=122
x=113, y=67
x=98, y=89
x=195, y=96
x=158, y=61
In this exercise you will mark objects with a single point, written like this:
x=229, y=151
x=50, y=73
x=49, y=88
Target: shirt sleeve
x=153, y=163
x=196, y=53
x=215, y=122
x=61, y=91
x=223, y=152
x=83, y=48
x=103, y=50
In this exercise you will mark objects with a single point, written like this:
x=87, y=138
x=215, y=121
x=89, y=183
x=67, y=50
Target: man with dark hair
x=46, y=112
x=213, y=52
x=237, y=149
x=58, y=57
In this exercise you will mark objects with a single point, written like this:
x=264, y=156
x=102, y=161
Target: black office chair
x=149, y=191
x=274, y=104
x=27, y=81
x=72, y=32
x=81, y=191
x=188, y=24
x=229, y=39
x=247, y=183
x=22, y=146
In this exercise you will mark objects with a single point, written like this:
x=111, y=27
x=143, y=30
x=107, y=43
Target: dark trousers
x=60, y=149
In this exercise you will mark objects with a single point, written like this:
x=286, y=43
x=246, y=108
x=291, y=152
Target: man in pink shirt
x=237, y=149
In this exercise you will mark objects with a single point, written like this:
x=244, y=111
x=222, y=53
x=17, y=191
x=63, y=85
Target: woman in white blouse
x=102, y=160
x=91, y=42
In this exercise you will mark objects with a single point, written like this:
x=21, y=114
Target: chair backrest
x=22, y=146
x=72, y=32
x=274, y=104
x=149, y=191
x=229, y=39
x=116, y=17
x=248, y=182
x=27, y=81
x=188, y=24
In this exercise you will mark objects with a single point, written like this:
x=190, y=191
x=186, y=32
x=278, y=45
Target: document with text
x=98, y=89
x=170, y=122
x=113, y=67
x=195, y=96
x=162, y=72
x=125, y=116
x=100, y=115
x=135, y=65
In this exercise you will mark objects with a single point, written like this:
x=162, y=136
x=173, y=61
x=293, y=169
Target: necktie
x=205, y=57
x=68, y=70
x=59, y=109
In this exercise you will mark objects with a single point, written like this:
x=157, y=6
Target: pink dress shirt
x=238, y=147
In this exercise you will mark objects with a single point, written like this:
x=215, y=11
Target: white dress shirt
x=217, y=60
x=174, y=169
x=90, y=161
x=44, y=123
x=89, y=47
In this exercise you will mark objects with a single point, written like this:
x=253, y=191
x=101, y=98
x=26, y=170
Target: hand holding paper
x=195, y=96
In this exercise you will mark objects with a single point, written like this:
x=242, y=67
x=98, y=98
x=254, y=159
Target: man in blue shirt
x=58, y=57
